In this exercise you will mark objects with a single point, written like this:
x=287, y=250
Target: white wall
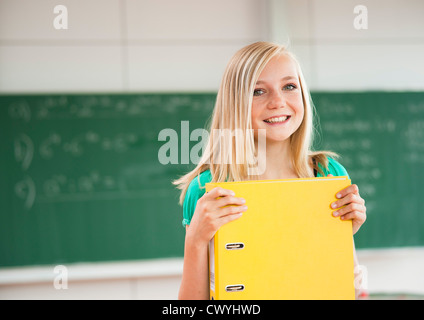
x=124, y=45
x=386, y=56
x=129, y=280
x=166, y=45
x=184, y=45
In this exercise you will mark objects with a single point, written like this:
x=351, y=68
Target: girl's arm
x=213, y=210
x=195, y=281
x=354, y=209
x=357, y=270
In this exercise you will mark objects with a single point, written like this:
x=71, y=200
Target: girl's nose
x=277, y=100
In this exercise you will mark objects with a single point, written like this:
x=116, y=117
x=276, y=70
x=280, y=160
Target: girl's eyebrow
x=282, y=79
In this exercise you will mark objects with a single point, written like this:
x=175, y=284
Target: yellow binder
x=287, y=245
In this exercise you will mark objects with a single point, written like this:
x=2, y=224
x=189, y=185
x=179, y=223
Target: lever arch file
x=287, y=245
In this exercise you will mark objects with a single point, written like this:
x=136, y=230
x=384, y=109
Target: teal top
x=196, y=189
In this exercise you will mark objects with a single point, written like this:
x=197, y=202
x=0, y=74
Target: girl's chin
x=275, y=140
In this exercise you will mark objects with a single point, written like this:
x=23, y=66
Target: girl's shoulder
x=195, y=191
x=334, y=167
x=197, y=185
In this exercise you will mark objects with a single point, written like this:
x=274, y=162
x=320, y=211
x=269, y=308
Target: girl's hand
x=354, y=209
x=212, y=212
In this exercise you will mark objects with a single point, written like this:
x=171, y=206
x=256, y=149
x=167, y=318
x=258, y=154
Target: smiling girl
x=262, y=90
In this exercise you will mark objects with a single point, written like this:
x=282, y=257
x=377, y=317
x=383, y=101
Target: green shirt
x=196, y=189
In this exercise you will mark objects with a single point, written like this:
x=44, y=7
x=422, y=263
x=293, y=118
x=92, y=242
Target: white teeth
x=279, y=119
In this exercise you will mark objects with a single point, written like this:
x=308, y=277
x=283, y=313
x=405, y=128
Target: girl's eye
x=289, y=87
x=258, y=92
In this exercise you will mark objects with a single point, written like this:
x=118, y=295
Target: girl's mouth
x=276, y=120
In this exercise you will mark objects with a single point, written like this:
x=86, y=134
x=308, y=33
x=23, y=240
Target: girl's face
x=277, y=100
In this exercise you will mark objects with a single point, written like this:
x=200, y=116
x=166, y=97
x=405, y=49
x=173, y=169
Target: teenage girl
x=262, y=88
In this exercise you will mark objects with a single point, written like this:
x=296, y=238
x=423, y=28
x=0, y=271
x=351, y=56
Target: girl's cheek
x=295, y=98
x=297, y=104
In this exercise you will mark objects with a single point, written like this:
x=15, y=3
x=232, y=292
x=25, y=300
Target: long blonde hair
x=233, y=112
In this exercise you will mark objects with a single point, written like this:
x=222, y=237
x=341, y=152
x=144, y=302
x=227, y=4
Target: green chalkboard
x=80, y=178
x=380, y=136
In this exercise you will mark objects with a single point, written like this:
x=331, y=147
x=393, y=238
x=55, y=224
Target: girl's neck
x=278, y=159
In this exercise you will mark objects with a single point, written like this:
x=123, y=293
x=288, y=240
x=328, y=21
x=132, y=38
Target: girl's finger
x=353, y=188
x=218, y=192
x=229, y=200
x=230, y=210
x=229, y=218
x=354, y=215
x=349, y=208
x=349, y=198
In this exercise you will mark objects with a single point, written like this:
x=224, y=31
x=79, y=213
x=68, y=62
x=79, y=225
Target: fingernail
x=333, y=205
x=339, y=196
x=244, y=208
x=243, y=200
x=335, y=213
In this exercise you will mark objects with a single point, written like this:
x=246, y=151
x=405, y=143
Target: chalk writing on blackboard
x=24, y=150
x=25, y=190
x=20, y=110
x=76, y=145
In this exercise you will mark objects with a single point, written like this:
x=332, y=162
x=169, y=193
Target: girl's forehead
x=279, y=66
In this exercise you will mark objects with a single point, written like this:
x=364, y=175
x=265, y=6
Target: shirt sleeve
x=336, y=169
x=193, y=194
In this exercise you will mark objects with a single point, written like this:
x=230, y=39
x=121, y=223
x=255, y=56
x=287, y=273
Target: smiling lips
x=279, y=119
